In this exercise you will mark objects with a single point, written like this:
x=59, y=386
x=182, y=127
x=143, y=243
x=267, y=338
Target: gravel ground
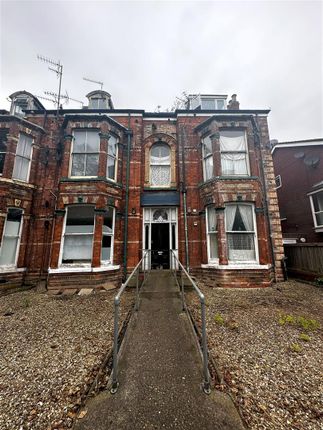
x=50, y=349
x=275, y=384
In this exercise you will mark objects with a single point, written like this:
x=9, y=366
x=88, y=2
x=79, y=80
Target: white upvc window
x=11, y=237
x=317, y=208
x=211, y=103
x=23, y=157
x=112, y=158
x=98, y=103
x=160, y=164
x=234, y=153
x=278, y=181
x=207, y=154
x=85, y=153
x=241, y=232
x=108, y=236
x=212, y=234
x=78, y=234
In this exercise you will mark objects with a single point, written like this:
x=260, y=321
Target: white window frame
x=80, y=264
x=236, y=152
x=278, y=182
x=14, y=265
x=96, y=101
x=25, y=158
x=109, y=262
x=115, y=161
x=317, y=226
x=208, y=233
x=216, y=101
x=156, y=164
x=206, y=157
x=254, y=232
x=85, y=130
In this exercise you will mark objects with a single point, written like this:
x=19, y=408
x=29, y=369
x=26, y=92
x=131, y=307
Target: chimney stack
x=233, y=103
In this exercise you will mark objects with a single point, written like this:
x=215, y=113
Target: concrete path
x=160, y=373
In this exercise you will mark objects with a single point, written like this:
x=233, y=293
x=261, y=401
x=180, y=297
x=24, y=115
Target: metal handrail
x=206, y=375
x=115, y=382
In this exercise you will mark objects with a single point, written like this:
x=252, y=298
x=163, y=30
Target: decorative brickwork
x=51, y=190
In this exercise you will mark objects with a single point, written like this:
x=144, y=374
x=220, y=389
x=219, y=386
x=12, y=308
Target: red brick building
x=299, y=177
x=84, y=192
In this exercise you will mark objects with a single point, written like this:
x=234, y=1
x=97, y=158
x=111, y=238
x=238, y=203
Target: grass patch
x=295, y=347
x=219, y=319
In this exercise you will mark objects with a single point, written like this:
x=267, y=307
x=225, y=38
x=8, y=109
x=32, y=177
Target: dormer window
x=98, y=103
x=207, y=102
x=99, y=99
x=21, y=101
x=19, y=105
x=212, y=103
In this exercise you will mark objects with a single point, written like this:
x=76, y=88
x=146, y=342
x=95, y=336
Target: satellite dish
x=299, y=155
x=311, y=160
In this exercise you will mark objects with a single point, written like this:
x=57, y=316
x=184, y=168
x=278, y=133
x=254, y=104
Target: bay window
x=107, y=236
x=207, y=154
x=234, y=154
x=23, y=158
x=160, y=163
x=78, y=235
x=211, y=230
x=85, y=153
x=11, y=237
x=240, y=232
x=112, y=158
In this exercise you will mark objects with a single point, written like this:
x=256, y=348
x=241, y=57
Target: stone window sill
x=83, y=268
x=240, y=266
x=11, y=269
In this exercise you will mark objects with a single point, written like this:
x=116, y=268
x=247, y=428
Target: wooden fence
x=305, y=259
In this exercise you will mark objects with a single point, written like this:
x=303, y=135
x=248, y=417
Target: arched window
x=160, y=165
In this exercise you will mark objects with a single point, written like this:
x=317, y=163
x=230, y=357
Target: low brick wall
x=80, y=280
x=237, y=278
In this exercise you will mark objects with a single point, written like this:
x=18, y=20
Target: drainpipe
x=125, y=236
x=265, y=191
x=184, y=191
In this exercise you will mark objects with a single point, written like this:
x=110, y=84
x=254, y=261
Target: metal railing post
x=206, y=382
x=182, y=290
x=115, y=382
x=137, y=291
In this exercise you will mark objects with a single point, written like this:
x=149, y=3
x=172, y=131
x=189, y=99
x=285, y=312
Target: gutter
x=184, y=191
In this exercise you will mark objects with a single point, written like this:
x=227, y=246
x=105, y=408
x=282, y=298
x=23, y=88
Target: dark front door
x=160, y=246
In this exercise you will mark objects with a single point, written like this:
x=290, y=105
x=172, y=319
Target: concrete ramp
x=160, y=373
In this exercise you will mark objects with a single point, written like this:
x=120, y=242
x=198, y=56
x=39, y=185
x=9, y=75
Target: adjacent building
x=84, y=193
x=299, y=183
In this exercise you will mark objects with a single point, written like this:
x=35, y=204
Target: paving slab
x=85, y=291
x=160, y=373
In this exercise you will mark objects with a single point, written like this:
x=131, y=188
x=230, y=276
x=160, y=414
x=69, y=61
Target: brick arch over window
x=171, y=142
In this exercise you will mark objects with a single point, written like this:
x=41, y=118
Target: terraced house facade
x=85, y=192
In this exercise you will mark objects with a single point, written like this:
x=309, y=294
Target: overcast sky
x=148, y=52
